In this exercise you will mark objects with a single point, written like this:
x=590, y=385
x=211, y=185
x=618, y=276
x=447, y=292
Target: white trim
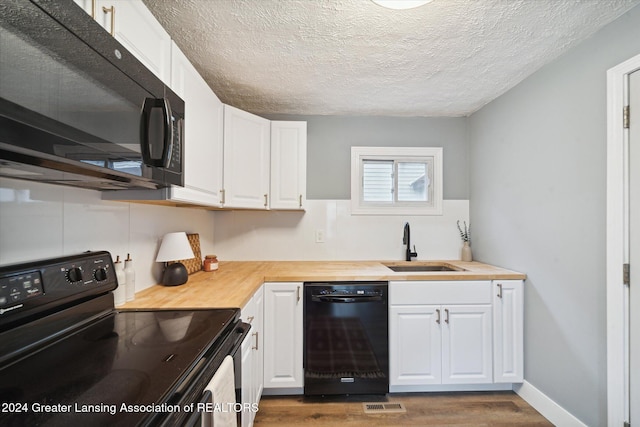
x=289, y=391
x=359, y=153
x=546, y=406
x=615, y=242
x=448, y=388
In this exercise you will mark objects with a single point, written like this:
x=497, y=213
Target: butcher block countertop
x=235, y=282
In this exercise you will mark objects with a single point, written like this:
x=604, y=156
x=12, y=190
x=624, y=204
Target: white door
x=203, y=133
x=634, y=248
x=133, y=25
x=466, y=344
x=415, y=345
x=508, y=339
x=288, y=165
x=247, y=379
x=258, y=357
x=283, y=335
x=246, y=159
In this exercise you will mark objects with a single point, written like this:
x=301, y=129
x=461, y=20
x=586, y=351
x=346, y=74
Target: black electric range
x=68, y=356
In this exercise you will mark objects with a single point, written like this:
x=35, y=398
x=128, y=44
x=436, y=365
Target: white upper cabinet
x=203, y=134
x=133, y=25
x=288, y=165
x=246, y=159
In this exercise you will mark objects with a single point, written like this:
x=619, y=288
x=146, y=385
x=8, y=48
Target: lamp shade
x=175, y=246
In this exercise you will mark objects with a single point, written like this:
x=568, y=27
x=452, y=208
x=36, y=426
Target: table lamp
x=175, y=246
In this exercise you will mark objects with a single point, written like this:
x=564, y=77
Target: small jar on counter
x=210, y=263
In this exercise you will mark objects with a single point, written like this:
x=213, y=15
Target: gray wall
x=538, y=198
x=330, y=138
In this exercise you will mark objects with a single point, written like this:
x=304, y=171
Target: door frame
x=617, y=241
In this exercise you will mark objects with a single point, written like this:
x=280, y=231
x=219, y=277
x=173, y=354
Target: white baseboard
x=448, y=387
x=547, y=407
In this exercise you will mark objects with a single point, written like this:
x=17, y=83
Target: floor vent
x=384, y=408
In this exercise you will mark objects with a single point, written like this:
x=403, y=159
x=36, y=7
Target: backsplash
x=42, y=221
x=287, y=235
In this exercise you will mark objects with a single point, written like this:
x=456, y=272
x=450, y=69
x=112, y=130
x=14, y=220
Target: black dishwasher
x=346, y=336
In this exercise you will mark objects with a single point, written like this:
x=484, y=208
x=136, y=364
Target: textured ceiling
x=353, y=57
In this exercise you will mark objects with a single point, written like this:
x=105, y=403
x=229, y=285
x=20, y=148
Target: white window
x=396, y=180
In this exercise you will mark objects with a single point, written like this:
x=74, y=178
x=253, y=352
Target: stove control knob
x=74, y=274
x=100, y=274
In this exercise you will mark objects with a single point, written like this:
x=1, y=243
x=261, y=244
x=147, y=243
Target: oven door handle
x=346, y=299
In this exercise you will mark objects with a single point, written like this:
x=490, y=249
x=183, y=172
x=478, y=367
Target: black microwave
x=76, y=108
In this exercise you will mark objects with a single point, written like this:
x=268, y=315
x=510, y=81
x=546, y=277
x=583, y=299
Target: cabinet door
x=203, y=133
x=138, y=30
x=288, y=165
x=466, y=344
x=258, y=366
x=247, y=378
x=508, y=324
x=246, y=159
x=283, y=335
x=414, y=345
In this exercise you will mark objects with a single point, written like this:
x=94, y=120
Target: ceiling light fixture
x=401, y=4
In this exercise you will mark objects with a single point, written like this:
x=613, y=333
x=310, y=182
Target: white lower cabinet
x=440, y=344
x=415, y=345
x=252, y=355
x=508, y=326
x=247, y=380
x=440, y=333
x=283, y=336
x=466, y=344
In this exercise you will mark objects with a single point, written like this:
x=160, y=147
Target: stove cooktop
x=136, y=358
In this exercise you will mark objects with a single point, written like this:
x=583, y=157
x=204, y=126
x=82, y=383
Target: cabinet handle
x=499, y=290
x=255, y=334
x=298, y=293
x=300, y=203
x=438, y=318
x=250, y=319
x=222, y=193
x=266, y=200
x=93, y=9
x=111, y=10
x=446, y=312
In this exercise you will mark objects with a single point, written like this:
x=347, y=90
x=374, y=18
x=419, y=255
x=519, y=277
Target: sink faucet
x=407, y=241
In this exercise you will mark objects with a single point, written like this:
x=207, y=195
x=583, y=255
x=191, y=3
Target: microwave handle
x=145, y=137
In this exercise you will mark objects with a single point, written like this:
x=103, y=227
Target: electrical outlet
x=319, y=236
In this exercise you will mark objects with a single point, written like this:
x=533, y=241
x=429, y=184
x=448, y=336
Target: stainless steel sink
x=419, y=268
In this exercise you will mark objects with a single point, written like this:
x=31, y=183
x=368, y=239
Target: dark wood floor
x=423, y=409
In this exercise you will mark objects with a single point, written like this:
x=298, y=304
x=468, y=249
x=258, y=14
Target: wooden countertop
x=233, y=284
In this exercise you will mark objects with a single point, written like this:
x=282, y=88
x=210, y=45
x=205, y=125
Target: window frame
x=396, y=154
